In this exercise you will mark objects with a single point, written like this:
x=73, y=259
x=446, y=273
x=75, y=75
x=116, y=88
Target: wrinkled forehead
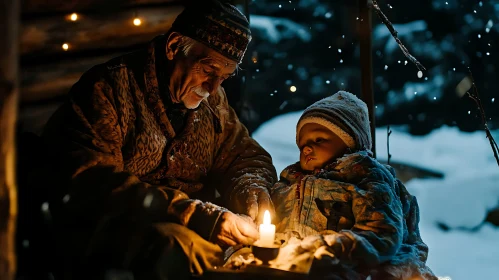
x=209, y=56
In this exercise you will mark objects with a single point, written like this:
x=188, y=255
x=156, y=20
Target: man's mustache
x=201, y=92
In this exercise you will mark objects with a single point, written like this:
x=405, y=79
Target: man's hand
x=232, y=229
x=253, y=201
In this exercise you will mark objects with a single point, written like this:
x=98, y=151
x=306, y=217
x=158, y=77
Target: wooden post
x=9, y=28
x=365, y=39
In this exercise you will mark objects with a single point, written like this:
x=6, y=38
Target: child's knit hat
x=345, y=115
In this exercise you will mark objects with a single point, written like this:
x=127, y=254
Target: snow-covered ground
x=469, y=188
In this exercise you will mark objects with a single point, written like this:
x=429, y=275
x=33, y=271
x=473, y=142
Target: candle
x=267, y=231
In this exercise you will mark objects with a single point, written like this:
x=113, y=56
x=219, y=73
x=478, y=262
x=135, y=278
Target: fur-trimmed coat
x=369, y=212
x=117, y=154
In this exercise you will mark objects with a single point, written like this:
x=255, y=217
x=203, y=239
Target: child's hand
x=319, y=246
x=325, y=251
x=312, y=243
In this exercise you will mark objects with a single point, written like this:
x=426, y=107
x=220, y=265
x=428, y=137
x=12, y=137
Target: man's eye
x=227, y=77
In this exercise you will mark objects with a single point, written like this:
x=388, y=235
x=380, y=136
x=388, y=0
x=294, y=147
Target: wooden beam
x=43, y=7
x=49, y=81
x=9, y=28
x=46, y=36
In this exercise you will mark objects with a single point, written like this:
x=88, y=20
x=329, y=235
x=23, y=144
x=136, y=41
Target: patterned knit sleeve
x=86, y=138
x=241, y=163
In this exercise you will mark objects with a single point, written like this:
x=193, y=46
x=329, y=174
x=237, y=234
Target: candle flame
x=266, y=217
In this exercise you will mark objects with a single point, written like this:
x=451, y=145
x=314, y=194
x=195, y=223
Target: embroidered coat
x=117, y=154
x=371, y=214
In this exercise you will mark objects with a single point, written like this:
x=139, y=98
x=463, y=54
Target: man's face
x=197, y=76
x=318, y=146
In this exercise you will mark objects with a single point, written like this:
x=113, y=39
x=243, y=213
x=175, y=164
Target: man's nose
x=212, y=84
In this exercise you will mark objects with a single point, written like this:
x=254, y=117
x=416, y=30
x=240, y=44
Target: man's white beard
x=200, y=92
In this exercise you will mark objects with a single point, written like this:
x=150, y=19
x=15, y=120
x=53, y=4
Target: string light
x=74, y=17
x=292, y=88
x=137, y=21
x=65, y=46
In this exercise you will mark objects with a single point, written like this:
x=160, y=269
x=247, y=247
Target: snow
x=276, y=29
x=469, y=188
x=431, y=89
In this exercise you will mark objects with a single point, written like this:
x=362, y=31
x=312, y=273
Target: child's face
x=318, y=146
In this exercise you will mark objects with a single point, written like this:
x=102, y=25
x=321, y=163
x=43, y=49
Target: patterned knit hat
x=345, y=115
x=220, y=26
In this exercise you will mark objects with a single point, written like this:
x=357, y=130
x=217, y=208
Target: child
x=340, y=199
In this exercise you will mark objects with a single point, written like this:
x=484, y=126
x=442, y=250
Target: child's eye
x=319, y=140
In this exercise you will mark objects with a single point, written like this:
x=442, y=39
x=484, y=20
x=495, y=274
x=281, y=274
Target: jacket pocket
x=335, y=203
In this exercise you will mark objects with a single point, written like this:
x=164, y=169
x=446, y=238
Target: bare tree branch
x=394, y=33
x=388, y=133
x=474, y=96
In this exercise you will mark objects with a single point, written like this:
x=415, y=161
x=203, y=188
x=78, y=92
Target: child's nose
x=307, y=150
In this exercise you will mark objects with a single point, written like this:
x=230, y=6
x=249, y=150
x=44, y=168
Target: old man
x=144, y=145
